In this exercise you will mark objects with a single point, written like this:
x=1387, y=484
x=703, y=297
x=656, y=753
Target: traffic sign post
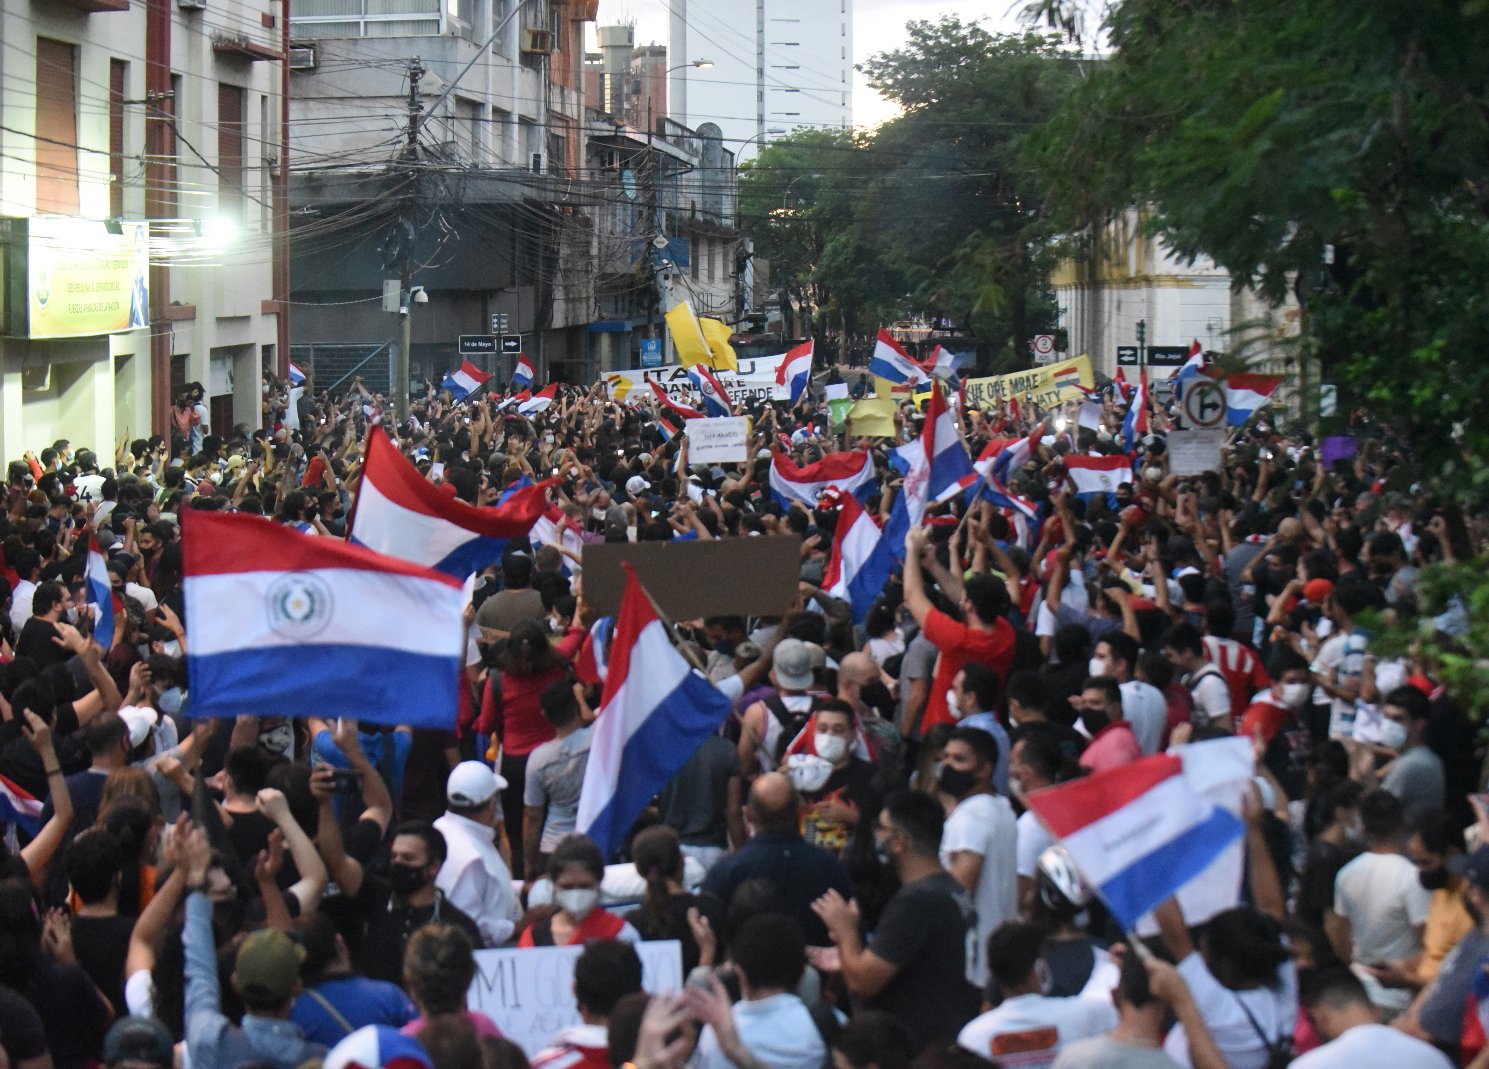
x=1044, y=348
x=498, y=322
x=1203, y=404
x=511, y=344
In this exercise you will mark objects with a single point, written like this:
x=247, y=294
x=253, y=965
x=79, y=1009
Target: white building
x=1128, y=277
x=138, y=165
x=779, y=66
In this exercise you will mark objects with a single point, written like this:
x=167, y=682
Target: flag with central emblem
x=287, y=625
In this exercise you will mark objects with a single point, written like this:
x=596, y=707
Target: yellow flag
x=873, y=417
x=687, y=335
x=717, y=335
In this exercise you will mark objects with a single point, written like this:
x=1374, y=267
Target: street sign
x=1127, y=356
x=498, y=322
x=1167, y=355
x=651, y=352
x=511, y=344
x=477, y=345
x=1044, y=348
x=1204, y=404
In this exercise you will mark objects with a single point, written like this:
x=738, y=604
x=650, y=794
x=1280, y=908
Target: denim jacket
x=213, y=1041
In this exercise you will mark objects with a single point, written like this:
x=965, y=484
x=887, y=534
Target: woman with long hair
x=512, y=710
x=663, y=913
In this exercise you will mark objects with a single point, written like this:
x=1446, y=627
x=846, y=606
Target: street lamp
x=701, y=64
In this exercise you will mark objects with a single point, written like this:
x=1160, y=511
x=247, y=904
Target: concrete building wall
x=94, y=389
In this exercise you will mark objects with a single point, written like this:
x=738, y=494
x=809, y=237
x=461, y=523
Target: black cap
x=138, y=1039
x=1474, y=866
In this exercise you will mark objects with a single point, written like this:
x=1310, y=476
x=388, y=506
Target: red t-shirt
x=959, y=645
x=1265, y=715
x=523, y=727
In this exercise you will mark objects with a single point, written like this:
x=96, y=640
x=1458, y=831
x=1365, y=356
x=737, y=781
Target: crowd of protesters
x=849, y=866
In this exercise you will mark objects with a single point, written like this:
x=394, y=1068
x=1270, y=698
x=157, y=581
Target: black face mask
x=406, y=879
x=1433, y=879
x=955, y=781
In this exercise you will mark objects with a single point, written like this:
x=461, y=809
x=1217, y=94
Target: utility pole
x=409, y=157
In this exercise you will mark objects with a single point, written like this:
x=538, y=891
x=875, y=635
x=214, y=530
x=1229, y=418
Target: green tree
x=935, y=211
x=1340, y=148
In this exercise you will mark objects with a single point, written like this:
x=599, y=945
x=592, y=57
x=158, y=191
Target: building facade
x=441, y=148
x=778, y=66
x=1126, y=277
x=140, y=208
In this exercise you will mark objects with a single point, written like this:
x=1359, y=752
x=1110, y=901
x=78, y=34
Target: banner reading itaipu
x=1045, y=386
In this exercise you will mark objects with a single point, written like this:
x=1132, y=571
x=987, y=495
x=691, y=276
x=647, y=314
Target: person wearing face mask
x=1143, y=705
x=1113, y=742
x=971, y=700
x=1280, y=706
x=835, y=784
x=575, y=917
x=1028, y=1022
x=916, y=966
x=1435, y=842
x=1416, y=774
x=406, y=901
x=979, y=843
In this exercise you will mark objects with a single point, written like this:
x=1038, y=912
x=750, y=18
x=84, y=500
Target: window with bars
x=118, y=85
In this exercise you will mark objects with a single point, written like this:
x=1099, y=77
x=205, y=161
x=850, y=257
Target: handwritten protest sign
x=529, y=992
x=721, y=440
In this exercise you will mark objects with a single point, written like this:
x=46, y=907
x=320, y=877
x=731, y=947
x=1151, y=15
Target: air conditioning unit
x=302, y=57
x=192, y=5
x=536, y=165
x=536, y=42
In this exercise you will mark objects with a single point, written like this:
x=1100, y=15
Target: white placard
x=720, y=440
x=1194, y=452
x=529, y=992
x=835, y=391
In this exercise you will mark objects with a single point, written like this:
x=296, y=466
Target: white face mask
x=577, y=902
x=1295, y=695
x=1097, y=667
x=279, y=741
x=829, y=747
x=1392, y=735
x=951, y=704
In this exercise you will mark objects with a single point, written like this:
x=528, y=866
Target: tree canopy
x=936, y=211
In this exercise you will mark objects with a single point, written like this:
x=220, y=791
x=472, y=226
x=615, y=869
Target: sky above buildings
x=878, y=26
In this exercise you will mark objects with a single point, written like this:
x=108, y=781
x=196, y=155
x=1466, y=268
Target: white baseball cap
x=472, y=783
x=637, y=485
x=141, y=720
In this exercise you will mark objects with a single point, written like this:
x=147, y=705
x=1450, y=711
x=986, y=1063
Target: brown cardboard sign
x=688, y=580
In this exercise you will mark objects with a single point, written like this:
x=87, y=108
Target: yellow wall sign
x=1045, y=386
x=82, y=280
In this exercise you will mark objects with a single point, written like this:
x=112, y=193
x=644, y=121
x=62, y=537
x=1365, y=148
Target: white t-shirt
x=1386, y=905
x=1211, y=694
x=1033, y=840
x=1373, y=1046
x=1144, y=707
x=984, y=824
x=1274, y=1009
x=1027, y=1031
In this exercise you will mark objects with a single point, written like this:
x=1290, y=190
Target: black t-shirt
x=21, y=764
x=424, y=774
x=694, y=803
x=101, y=945
x=674, y=924
x=390, y=928
x=22, y=1035
x=1316, y=884
x=35, y=642
x=924, y=931
x=249, y=834
x=73, y=1012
